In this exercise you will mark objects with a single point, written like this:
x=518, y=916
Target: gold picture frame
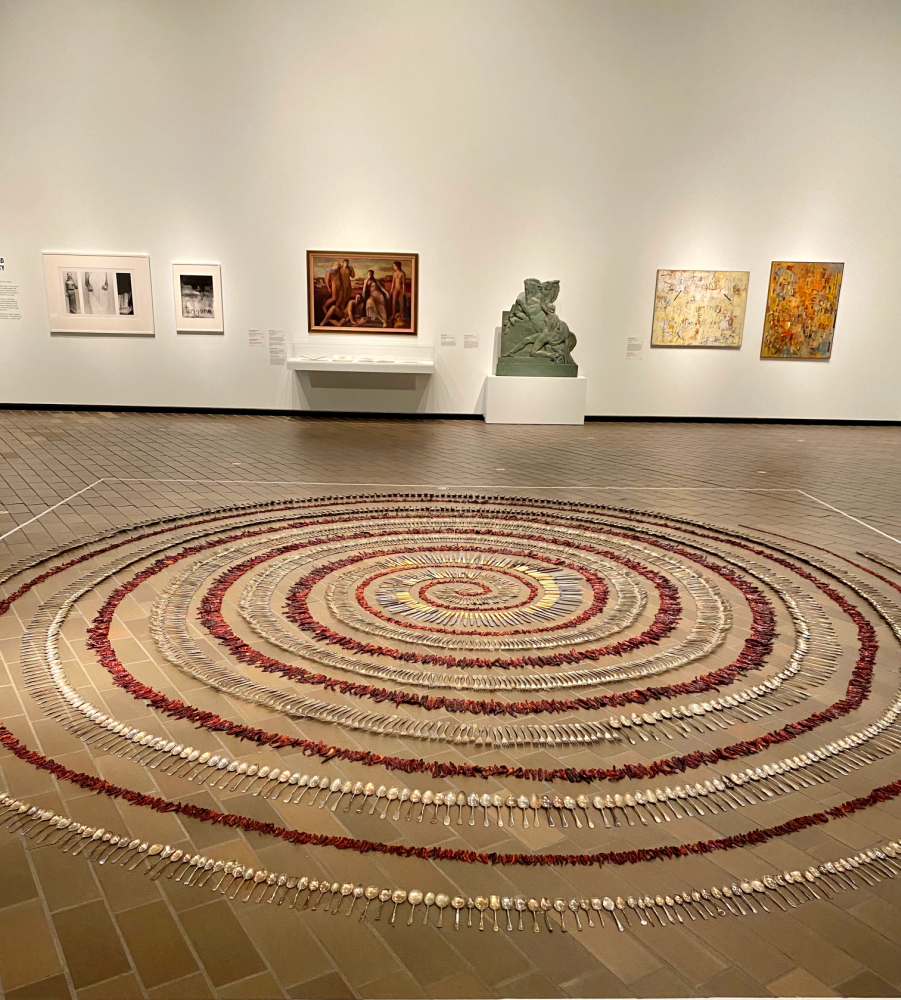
x=362, y=292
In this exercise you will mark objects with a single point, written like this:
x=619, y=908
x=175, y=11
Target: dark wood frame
x=350, y=254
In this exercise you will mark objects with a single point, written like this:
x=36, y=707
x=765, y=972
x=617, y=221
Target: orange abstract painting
x=800, y=310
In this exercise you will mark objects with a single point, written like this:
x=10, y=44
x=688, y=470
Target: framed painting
x=99, y=293
x=198, y=298
x=801, y=306
x=358, y=292
x=699, y=308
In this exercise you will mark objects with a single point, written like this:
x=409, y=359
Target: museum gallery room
x=449, y=538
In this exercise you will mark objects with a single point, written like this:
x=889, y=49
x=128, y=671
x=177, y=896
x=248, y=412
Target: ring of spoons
x=718, y=794
x=744, y=897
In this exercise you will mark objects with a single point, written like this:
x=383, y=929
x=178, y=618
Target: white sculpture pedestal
x=516, y=400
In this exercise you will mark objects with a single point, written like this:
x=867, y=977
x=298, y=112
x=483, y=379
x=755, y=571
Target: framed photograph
x=801, y=306
x=358, y=292
x=99, y=293
x=198, y=298
x=699, y=308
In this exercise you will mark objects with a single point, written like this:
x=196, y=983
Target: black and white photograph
x=123, y=290
x=198, y=298
x=93, y=293
x=71, y=294
x=99, y=293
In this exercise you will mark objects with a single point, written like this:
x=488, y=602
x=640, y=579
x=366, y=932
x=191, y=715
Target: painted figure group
x=375, y=305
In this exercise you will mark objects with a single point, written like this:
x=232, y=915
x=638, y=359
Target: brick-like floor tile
x=360, y=957
x=121, y=988
x=63, y=883
x=820, y=957
x=426, y=953
x=289, y=948
x=90, y=943
x=756, y=957
x=684, y=952
x=16, y=884
x=882, y=955
x=53, y=988
x=799, y=983
x=663, y=983
x=259, y=987
x=222, y=944
x=733, y=983
x=600, y=983
x=156, y=944
x=327, y=987
x=190, y=988
x=867, y=984
x=394, y=986
x=460, y=984
x=27, y=951
x=532, y=984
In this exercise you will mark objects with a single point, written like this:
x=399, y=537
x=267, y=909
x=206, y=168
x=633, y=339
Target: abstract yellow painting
x=699, y=308
x=800, y=310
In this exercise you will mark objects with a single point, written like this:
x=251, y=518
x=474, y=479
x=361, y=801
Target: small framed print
x=99, y=293
x=198, y=298
x=362, y=292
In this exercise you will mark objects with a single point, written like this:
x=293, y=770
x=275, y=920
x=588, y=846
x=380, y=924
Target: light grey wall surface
x=584, y=140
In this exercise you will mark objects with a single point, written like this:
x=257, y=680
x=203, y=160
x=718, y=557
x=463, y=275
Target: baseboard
x=239, y=411
x=369, y=415
x=747, y=420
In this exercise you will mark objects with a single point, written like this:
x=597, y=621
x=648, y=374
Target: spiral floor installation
x=394, y=656
x=544, y=718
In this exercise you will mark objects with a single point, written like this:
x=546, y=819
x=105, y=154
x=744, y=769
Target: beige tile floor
x=68, y=929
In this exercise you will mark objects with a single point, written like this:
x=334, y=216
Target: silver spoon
x=441, y=901
x=610, y=906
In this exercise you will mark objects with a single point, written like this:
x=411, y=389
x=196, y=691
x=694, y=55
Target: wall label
x=9, y=296
x=277, y=354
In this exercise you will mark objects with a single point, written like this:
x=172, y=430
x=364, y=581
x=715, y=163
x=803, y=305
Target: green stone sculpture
x=534, y=340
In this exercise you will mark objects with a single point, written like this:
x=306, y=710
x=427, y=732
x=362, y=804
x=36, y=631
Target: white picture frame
x=198, y=298
x=99, y=293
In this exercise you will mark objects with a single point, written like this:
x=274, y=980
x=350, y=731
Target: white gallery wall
x=593, y=141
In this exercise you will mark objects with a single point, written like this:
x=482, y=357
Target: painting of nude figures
x=800, y=310
x=355, y=292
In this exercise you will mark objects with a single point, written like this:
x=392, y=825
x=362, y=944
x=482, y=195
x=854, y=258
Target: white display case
x=340, y=356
